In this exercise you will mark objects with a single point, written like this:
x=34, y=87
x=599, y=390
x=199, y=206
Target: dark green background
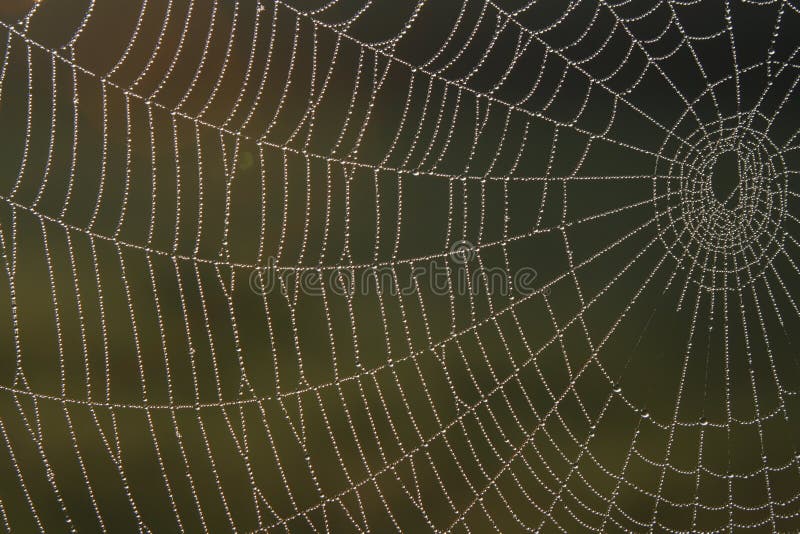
x=173, y=396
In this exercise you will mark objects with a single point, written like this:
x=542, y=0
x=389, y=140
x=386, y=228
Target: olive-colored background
x=146, y=228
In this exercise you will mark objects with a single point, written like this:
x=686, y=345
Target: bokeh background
x=153, y=155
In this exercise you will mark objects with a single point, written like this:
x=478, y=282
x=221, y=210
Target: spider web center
x=725, y=178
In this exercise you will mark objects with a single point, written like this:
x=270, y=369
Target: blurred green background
x=154, y=155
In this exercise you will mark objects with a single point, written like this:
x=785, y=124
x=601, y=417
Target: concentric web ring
x=419, y=265
x=748, y=219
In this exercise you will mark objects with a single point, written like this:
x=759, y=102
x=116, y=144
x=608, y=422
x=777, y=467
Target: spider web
x=640, y=156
